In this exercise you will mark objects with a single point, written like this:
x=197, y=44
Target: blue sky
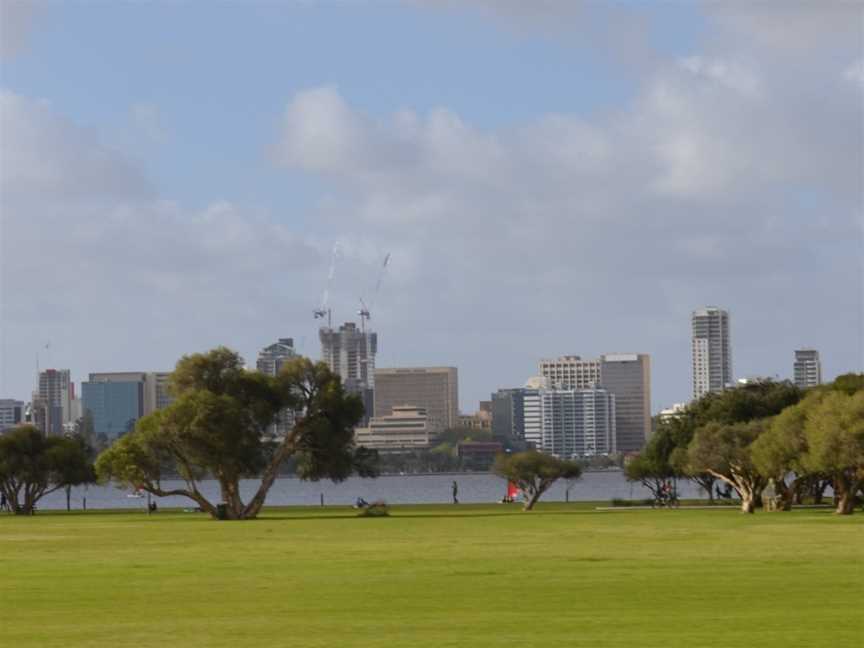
x=554, y=178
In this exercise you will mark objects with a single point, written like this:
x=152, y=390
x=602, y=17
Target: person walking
x=2, y=501
x=455, y=492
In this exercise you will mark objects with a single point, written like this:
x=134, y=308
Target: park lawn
x=563, y=575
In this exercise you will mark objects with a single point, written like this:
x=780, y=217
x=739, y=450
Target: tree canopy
x=534, y=472
x=33, y=465
x=723, y=450
x=834, y=439
x=218, y=427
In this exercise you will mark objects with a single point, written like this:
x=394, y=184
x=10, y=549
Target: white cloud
x=92, y=259
x=725, y=180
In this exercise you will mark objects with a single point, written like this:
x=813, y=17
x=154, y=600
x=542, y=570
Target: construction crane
x=365, y=312
x=325, y=309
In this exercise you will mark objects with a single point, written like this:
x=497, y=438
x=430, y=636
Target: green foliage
x=33, y=465
x=665, y=456
x=834, y=437
x=218, y=426
x=847, y=383
x=724, y=451
x=534, y=472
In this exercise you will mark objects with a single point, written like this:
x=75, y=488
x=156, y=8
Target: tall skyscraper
x=627, y=376
x=52, y=403
x=270, y=361
x=434, y=389
x=350, y=353
x=712, y=352
x=807, y=369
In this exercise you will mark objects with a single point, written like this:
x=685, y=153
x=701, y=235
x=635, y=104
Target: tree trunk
x=844, y=489
x=748, y=502
x=819, y=490
x=257, y=502
x=785, y=495
x=531, y=501
x=68, y=497
x=231, y=496
x=846, y=504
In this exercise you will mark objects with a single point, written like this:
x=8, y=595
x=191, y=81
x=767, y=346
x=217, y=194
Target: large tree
x=665, y=455
x=724, y=451
x=834, y=435
x=217, y=427
x=534, y=473
x=33, y=465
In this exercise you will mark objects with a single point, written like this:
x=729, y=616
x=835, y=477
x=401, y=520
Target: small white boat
x=136, y=494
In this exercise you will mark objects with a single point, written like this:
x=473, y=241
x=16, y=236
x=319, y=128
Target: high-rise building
x=114, y=401
x=508, y=414
x=807, y=368
x=271, y=358
x=11, y=413
x=712, y=353
x=577, y=422
x=52, y=403
x=270, y=361
x=627, y=376
x=434, y=389
x=350, y=353
x=570, y=372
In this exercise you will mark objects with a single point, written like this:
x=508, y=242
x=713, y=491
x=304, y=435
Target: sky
x=548, y=178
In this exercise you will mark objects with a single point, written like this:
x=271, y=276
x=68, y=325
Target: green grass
x=438, y=576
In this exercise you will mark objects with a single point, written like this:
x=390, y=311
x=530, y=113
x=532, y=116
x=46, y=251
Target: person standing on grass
x=2, y=501
x=455, y=492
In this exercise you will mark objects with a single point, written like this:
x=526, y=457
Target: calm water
x=397, y=489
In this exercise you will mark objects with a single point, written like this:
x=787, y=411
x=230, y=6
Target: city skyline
x=548, y=185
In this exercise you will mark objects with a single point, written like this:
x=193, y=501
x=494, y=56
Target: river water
x=395, y=489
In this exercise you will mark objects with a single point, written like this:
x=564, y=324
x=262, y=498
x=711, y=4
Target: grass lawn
x=464, y=575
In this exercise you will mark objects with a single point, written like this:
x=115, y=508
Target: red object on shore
x=512, y=491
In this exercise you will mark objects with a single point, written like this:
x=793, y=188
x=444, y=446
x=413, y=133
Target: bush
x=375, y=509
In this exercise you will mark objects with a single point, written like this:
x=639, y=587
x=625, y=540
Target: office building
x=508, y=419
x=807, y=370
x=570, y=372
x=52, y=403
x=350, y=353
x=114, y=401
x=712, y=353
x=434, y=389
x=577, y=422
x=270, y=361
x=11, y=413
x=627, y=376
x=157, y=392
x=404, y=428
x=271, y=358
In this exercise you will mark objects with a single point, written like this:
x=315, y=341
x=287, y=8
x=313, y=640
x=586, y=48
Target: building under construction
x=350, y=352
